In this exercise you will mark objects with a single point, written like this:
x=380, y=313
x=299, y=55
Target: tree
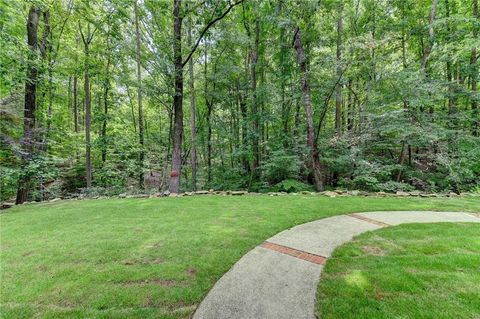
x=314, y=160
x=178, y=85
x=30, y=103
x=139, y=96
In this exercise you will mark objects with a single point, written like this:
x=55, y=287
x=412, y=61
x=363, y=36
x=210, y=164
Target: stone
x=173, y=195
x=211, y=190
x=158, y=194
x=383, y=194
x=238, y=193
x=415, y=193
x=354, y=193
x=54, y=200
x=7, y=205
x=166, y=193
x=400, y=193
x=201, y=192
x=330, y=194
x=452, y=194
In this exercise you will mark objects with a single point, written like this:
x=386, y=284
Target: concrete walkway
x=279, y=278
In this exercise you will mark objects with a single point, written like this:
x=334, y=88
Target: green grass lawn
x=409, y=271
x=150, y=258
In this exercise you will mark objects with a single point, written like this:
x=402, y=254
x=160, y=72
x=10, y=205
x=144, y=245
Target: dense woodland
x=111, y=96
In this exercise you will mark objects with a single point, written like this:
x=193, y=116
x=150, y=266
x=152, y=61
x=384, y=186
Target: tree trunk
x=75, y=103
x=139, y=95
x=431, y=36
x=314, y=156
x=177, y=100
x=209, y=105
x=338, y=89
x=88, y=161
x=104, y=122
x=255, y=111
x=28, y=143
x=474, y=74
x=193, y=128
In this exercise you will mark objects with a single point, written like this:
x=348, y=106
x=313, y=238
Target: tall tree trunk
x=177, y=100
x=314, y=156
x=193, y=128
x=338, y=89
x=451, y=91
x=88, y=161
x=75, y=103
x=209, y=105
x=431, y=36
x=255, y=109
x=87, y=39
x=474, y=75
x=106, y=89
x=28, y=143
x=139, y=95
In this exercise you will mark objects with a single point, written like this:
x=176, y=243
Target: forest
x=104, y=97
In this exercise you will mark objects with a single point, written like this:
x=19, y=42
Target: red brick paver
x=369, y=220
x=316, y=259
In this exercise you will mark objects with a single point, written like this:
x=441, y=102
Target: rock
x=238, y=193
x=123, y=195
x=158, y=194
x=54, y=200
x=166, y=193
x=173, y=195
x=415, y=193
x=383, y=194
x=7, y=205
x=452, y=194
x=211, y=190
x=363, y=193
x=354, y=193
x=141, y=196
x=201, y=192
x=330, y=194
x=400, y=193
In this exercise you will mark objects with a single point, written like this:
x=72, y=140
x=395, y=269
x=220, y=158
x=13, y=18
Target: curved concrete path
x=279, y=278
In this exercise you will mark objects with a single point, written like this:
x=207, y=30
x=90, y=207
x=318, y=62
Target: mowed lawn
x=428, y=271
x=150, y=258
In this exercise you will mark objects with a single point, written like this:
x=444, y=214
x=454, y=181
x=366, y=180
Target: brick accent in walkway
x=316, y=259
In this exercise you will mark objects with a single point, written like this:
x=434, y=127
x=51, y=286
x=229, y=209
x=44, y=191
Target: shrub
x=291, y=186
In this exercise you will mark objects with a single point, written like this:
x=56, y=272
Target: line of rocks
x=335, y=193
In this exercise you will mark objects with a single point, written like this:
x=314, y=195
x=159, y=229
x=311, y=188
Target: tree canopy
x=114, y=95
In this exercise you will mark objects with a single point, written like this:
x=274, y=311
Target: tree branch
x=211, y=23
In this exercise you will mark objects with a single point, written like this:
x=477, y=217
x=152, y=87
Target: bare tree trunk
x=177, y=100
x=473, y=62
x=338, y=89
x=75, y=103
x=431, y=36
x=314, y=156
x=255, y=110
x=88, y=161
x=87, y=39
x=193, y=128
x=28, y=143
x=139, y=95
x=209, y=105
x=104, y=121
